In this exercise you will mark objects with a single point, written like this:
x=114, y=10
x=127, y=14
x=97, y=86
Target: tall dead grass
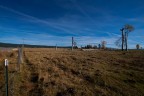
x=47, y=72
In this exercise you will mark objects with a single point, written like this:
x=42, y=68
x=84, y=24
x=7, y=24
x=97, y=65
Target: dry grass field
x=46, y=72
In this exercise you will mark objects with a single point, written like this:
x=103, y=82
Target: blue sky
x=51, y=22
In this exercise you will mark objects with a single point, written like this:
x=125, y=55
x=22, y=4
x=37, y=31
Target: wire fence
x=12, y=69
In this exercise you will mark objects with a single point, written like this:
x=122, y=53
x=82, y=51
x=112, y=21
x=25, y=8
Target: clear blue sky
x=50, y=22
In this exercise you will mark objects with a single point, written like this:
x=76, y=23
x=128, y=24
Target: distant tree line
x=99, y=46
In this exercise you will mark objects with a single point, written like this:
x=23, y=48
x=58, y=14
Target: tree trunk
x=122, y=40
x=126, y=35
x=72, y=42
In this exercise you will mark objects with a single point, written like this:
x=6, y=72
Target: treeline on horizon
x=29, y=46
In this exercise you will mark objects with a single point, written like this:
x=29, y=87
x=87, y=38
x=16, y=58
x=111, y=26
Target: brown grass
x=47, y=72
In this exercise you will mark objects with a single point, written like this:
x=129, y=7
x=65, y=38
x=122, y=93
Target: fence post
x=6, y=75
x=56, y=47
x=20, y=57
x=21, y=53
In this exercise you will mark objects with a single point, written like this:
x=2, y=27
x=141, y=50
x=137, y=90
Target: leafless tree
x=122, y=41
x=119, y=43
x=103, y=43
x=127, y=28
x=137, y=46
x=122, y=38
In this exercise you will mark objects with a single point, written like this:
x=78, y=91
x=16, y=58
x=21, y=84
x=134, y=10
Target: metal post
x=6, y=75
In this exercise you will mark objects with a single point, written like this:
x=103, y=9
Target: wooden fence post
x=20, y=57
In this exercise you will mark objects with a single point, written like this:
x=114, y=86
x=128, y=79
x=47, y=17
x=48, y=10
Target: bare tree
x=127, y=28
x=119, y=43
x=137, y=46
x=75, y=45
x=103, y=43
x=122, y=38
x=122, y=41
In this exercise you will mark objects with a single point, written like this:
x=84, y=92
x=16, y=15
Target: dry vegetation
x=46, y=72
x=12, y=57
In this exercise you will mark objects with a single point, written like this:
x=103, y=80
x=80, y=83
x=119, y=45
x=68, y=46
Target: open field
x=46, y=72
